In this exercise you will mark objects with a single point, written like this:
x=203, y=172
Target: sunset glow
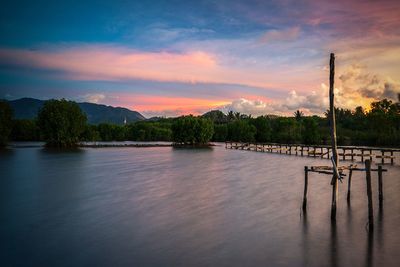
x=208, y=56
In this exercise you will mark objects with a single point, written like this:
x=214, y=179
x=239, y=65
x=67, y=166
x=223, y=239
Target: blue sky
x=178, y=57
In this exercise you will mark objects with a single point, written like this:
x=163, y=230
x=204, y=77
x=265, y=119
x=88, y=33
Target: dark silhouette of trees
x=263, y=129
x=378, y=126
x=61, y=123
x=25, y=130
x=220, y=132
x=298, y=115
x=190, y=130
x=241, y=130
x=310, y=131
x=149, y=131
x=6, y=123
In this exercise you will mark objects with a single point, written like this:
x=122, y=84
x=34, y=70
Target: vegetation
x=6, y=115
x=190, y=130
x=379, y=126
x=61, y=123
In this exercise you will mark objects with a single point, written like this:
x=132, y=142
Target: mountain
x=27, y=108
x=216, y=116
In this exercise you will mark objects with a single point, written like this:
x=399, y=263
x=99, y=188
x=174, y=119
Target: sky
x=169, y=58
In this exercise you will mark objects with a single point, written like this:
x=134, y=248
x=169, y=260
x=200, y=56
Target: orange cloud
x=161, y=104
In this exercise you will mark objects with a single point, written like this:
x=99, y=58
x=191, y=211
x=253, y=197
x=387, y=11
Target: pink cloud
x=113, y=63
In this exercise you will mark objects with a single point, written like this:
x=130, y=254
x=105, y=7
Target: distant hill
x=27, y=108
x=216, y=116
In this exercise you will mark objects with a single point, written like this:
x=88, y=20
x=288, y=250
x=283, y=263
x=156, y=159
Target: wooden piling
x=334, y=181
x=305, y=188
x=349, y=185
x=383, y=157
x=391, y=158
x=369, y=194
x=380, y=186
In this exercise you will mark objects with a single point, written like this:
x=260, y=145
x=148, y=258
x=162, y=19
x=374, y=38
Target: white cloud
x=355, y=86
x=315, y=102
x=254, y=107
x=92, y=98
x=357, y=80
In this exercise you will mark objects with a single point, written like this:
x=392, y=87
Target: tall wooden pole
x=380, y=186
x=369, y=194
x=305, y=188
x=334, y=181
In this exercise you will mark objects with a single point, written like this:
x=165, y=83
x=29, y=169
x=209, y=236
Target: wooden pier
x=350, y=153
x=351, y=168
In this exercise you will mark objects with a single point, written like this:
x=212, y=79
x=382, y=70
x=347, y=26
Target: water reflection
x=183, y=207
x=370, y=253
x=57, y=150
x=305, y=239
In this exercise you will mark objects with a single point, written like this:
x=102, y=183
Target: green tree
x=61, y=123
x=310, y=131
x=91, y=133
x=298, y=115
x=220, y=132
x=263, y=127
x=6, y=116
x=242, y=131
x=25, y=130
x=190, y=130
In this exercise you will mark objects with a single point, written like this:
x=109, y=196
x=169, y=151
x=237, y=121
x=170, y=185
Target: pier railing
x=353, y=153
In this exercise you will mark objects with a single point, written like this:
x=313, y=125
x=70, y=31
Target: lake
x=163, y=206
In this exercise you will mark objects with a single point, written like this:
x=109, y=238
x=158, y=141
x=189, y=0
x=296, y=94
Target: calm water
x=182, y=207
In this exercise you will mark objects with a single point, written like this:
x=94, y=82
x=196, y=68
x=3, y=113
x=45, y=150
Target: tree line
x=62, y=123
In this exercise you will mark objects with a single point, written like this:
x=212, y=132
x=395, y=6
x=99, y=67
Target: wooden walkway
x=353, y=153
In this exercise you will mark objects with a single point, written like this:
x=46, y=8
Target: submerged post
x=305, y=188
x=369, y=194
x=349, y=185
x=334, y=181
x=380, y=186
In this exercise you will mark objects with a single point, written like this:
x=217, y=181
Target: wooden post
x=352, y=154
x=334, y=181
x=344, y=153
x=305, y=188
x=362, y=155
x=349, y=185
x=383, y=156
x=302, y=150
x=380, y=185
x=370, y=155
x=369, y=194
x=391, y=157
